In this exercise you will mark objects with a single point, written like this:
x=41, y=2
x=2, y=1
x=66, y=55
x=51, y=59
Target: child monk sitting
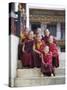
x=38, y=47
x=46, y=66
x=53, y=48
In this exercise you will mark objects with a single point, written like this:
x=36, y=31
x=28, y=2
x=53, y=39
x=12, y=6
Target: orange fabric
x=40, y=45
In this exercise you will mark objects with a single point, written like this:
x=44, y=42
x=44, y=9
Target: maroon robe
x=53, y=48
x=27, y=57
x=46, y=66
x=22, y=39
x=46, y=39
x=37, y=58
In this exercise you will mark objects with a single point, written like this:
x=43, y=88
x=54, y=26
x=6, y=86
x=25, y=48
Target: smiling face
x=38, y=37
x=30, y=35
x=26, y=32
x=46, y=49
x=51, y=39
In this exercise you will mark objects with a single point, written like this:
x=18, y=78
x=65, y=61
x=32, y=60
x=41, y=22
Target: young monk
x=46, y=67
x=46, y=37
x=27, y=58
x=38, y=31
x=24, y=35
x=53, y=48
x=38, y=48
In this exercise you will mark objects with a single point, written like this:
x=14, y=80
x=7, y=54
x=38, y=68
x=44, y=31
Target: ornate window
x=52, y=28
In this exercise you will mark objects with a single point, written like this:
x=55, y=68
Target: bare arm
x=42, y=59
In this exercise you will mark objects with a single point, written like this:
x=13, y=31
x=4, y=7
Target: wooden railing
x=61, y=42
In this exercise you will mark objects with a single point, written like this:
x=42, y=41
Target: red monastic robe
x=53, y=48
x=37, y=59
x=27, y=57
x=46, y=66
x=40, y=45
x=46, y=39
x=23, y=37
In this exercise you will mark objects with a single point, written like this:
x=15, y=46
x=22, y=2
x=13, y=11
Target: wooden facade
x=50, y=17
x=46, y=16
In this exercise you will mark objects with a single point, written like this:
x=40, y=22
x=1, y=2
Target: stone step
x=36, y=72
x=37, y=81
x=60, y=71
x=34, y=77
x=62, y=55
x=62, y=63
x=24, y=73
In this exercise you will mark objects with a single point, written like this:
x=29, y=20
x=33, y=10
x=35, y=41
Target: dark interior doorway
x=34, y=26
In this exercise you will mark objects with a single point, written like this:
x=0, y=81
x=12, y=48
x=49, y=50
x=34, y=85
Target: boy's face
x=30, y=35
x=26, y=32
x=51, y=39
x=38, y=37
x=46, y=49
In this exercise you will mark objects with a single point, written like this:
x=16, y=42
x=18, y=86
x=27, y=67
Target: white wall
x=14, y=41
x=46, y=6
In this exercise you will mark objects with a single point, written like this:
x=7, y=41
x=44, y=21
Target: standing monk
x=27, y=57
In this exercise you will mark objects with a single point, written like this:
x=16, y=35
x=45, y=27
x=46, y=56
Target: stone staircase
x=34, y=77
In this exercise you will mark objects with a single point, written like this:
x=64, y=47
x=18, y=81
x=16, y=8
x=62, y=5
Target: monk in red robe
x=38, y=31
x=46, y=37
x=27, y=57
x=46, y=67
x=24, y=34
x=54, y=50
x=38, y=48
x=23, y=37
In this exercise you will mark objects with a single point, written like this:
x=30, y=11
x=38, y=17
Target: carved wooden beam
x=45, y=19
x=61, y=42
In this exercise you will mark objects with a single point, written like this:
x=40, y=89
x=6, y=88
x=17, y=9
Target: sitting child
x=38, y=47
x=53, y=48
x=46, y=66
